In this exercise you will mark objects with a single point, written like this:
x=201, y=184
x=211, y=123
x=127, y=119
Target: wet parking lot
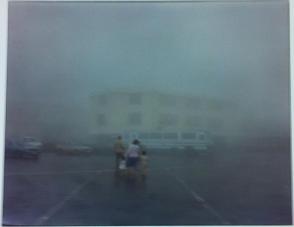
x=250, y=185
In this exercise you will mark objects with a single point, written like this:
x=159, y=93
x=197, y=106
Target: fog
x=59, y=54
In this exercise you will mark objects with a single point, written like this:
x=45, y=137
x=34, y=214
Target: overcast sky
x=60, y=53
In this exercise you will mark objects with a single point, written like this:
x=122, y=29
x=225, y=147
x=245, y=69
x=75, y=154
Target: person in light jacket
x=132, y=155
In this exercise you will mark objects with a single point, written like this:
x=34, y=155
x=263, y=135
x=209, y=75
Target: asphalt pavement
x=227, y=187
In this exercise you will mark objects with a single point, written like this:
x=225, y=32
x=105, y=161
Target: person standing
x=119, y=150
x=132, y=155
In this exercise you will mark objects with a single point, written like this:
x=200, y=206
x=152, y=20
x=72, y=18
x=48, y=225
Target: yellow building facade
x=119, y=112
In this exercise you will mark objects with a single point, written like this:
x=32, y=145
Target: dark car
x=21, y=149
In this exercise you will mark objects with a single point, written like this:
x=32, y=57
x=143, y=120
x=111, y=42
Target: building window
x=194, y=103
x=170, y=135
x=194, y=121
x=168, y=120
x=135, y=119
x=166, y=100
x=201, y=137
x=101, y=120
x=135, y=99
x=214, y=105
x=214, y=123
x=102, y=100
x=150, y=135
x=154, y=135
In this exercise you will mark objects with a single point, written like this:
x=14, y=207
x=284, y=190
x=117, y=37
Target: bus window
x=201, y=137
x=155, y=135
x=188, y=135
x=144, y=135
x=170, y=135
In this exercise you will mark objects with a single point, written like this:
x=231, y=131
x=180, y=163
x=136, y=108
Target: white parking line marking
x=50, y=212
x=199, y=199
x=72, y=194
x=59, y=205
x=58, y=173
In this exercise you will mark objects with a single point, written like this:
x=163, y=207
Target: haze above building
x=59, y=54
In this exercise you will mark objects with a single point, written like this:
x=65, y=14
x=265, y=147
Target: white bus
x=198, y=140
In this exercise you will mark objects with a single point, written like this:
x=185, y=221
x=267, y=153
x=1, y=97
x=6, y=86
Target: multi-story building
x=122, y=112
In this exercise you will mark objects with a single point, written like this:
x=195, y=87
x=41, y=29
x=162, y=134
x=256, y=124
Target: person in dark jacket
x=119, y=151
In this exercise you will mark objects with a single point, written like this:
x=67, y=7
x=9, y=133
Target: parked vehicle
x=196, y=140
x=32, y=144
x=28, y=147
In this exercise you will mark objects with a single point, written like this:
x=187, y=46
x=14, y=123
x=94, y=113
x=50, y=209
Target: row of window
x=169, y=135
x=136, y=119
x=165, y=100
x=133, y=119
x=156, y=136
x=135, y=99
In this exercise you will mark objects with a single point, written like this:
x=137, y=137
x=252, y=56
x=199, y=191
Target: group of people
x=133, y=159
